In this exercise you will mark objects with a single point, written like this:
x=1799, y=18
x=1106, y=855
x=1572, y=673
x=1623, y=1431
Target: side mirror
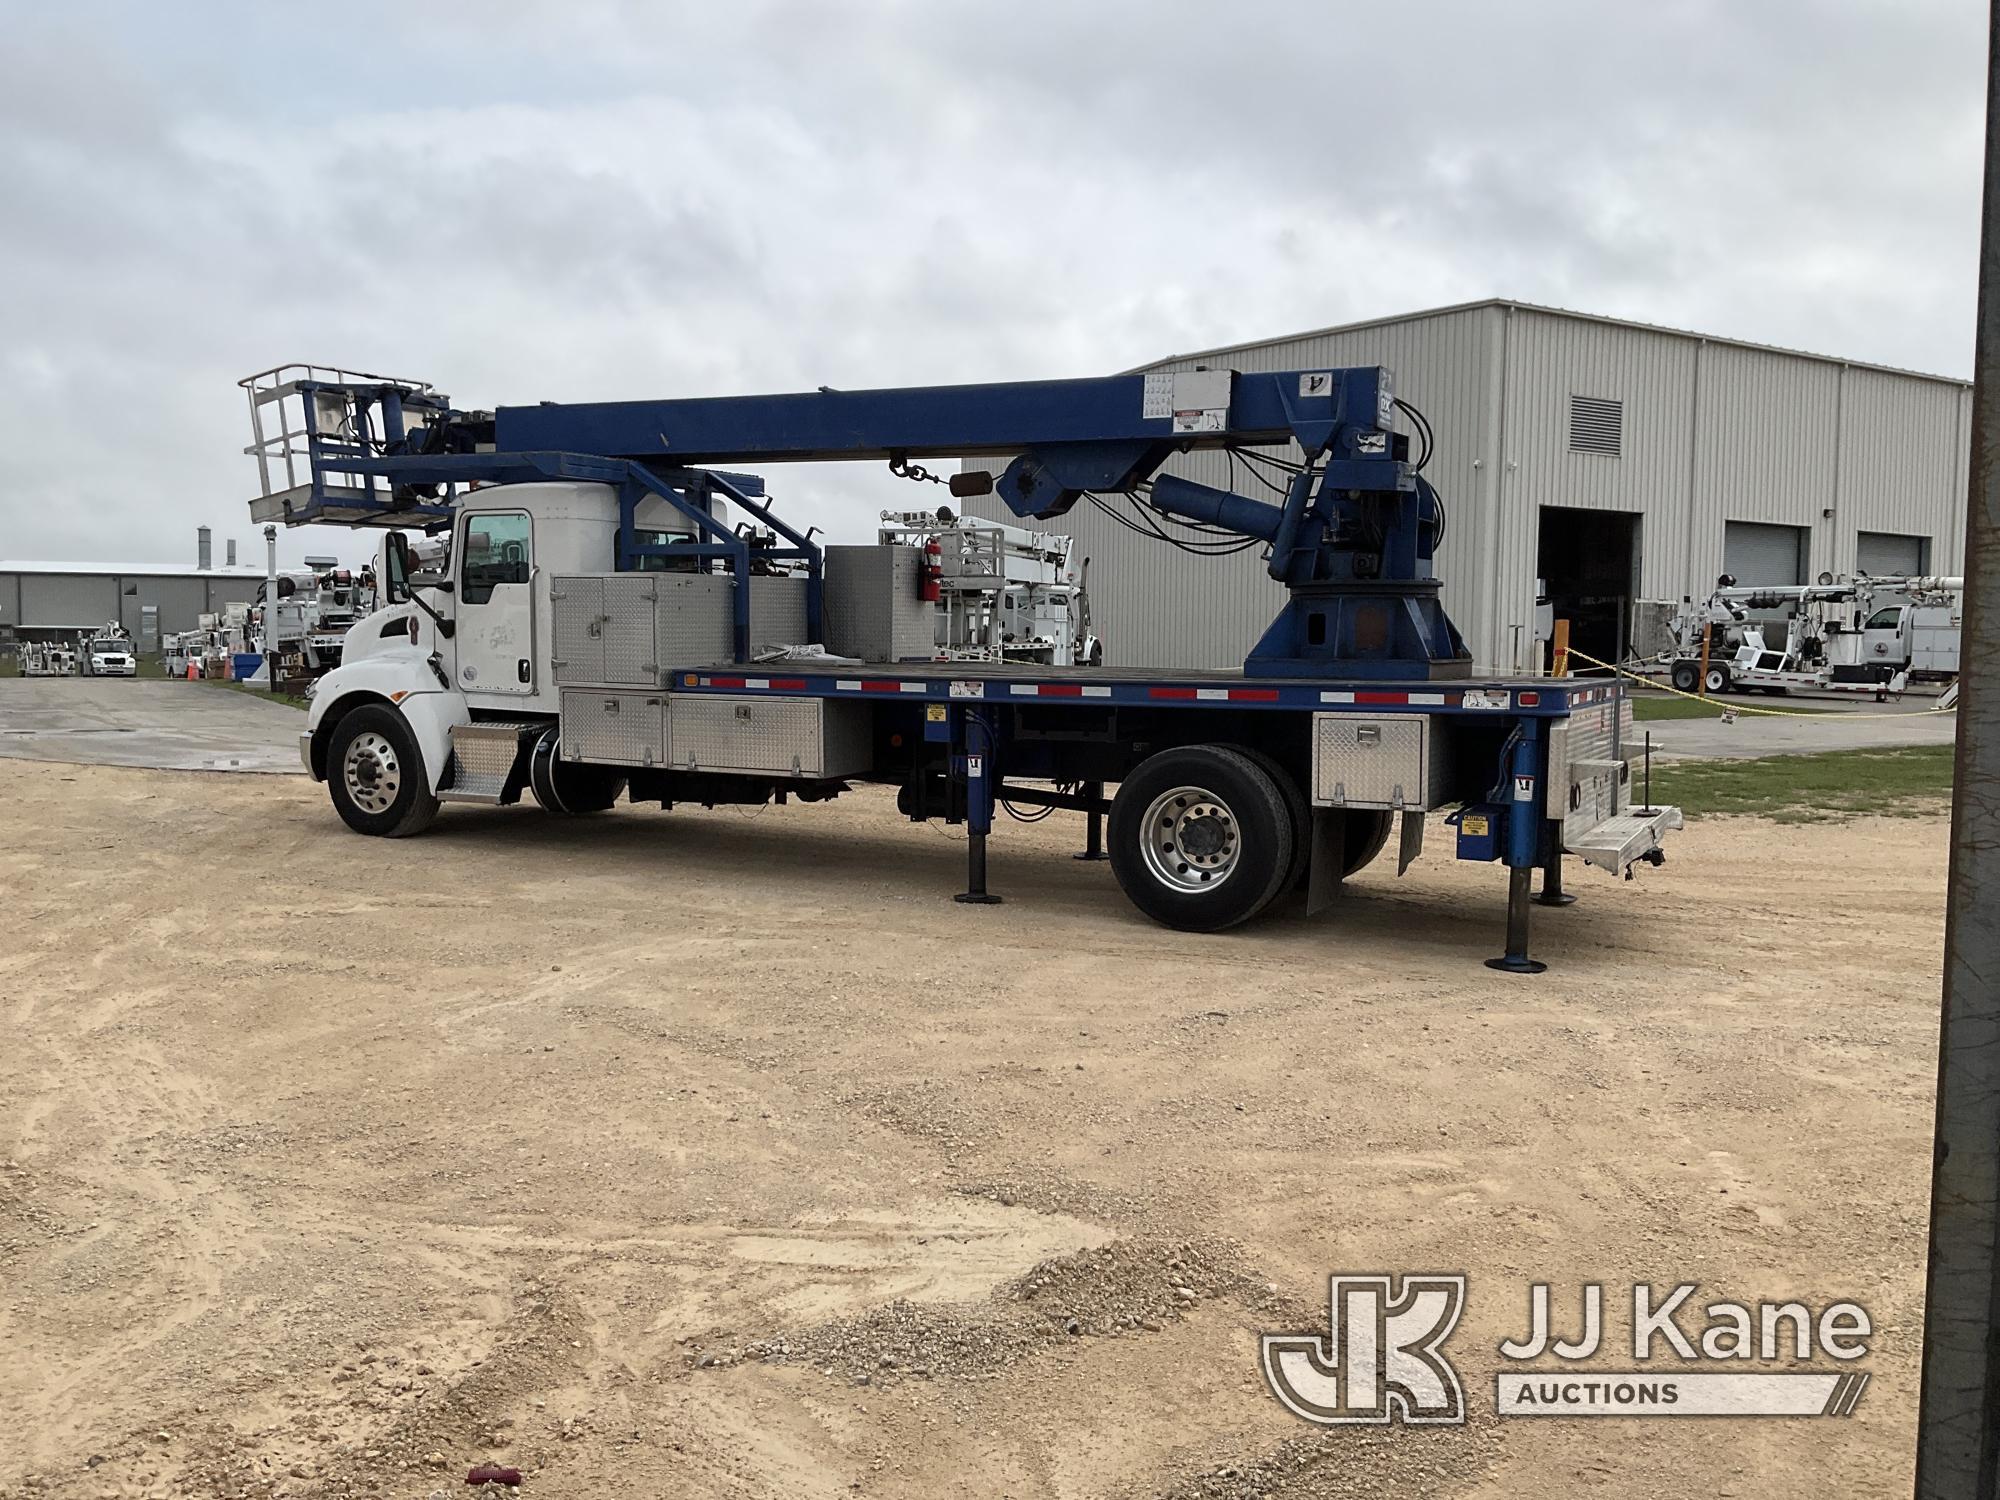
x=395, y=568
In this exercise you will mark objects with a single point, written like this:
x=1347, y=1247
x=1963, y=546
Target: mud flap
x=1327, y=855
x=1412, y=843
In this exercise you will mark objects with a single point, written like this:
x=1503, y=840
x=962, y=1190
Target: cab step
x=486, y=761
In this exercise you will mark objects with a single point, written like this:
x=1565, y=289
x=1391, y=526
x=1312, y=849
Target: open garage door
x=1588, y=561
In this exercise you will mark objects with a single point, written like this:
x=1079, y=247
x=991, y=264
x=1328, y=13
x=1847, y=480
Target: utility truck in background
x=1861, y=635
x=107, y=652
x=1000, y=593
x=622, y=614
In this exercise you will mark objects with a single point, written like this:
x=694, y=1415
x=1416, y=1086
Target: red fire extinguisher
x=933, y=571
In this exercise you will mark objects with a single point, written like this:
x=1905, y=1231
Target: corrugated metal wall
x=83, y=601
x=1712, y=432
x=66, y=601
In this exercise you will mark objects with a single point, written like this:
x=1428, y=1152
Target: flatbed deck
x=1022, y=681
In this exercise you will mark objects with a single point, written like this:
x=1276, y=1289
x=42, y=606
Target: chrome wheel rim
x=1191, y=839
x=372, y=774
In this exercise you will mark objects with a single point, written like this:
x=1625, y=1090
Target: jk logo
x=1380, y=1361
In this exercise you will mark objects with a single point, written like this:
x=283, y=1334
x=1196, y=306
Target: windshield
x=108, y=647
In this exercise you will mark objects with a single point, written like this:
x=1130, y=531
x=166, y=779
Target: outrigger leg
x=1093, y=824
x=975, y=764
x=1552, y=892
x=1524, y=845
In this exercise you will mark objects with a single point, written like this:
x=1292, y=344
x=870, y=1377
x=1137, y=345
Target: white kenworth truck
x=598, y=632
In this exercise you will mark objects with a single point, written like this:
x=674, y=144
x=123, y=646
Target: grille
x=1596, y=425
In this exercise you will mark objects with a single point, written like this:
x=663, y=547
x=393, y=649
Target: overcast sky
x=589, y=199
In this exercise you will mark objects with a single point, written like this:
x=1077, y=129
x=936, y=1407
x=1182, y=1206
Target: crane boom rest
x=607, y=626
x=1353, y=540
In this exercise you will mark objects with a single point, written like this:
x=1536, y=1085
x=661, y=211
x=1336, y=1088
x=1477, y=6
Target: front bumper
x=306, y=754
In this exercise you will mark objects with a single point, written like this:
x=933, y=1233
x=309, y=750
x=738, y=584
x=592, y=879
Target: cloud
x=608, y=200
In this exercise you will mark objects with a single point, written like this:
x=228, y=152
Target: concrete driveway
x=129, y=721
x=1864, y=725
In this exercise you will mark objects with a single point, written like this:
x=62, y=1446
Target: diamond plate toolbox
x=577, y=636
x=1384, y=761
x=611, y=728
x=807, y=737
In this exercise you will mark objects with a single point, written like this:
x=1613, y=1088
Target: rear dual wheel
x=1364, y=831
x=1201, y=838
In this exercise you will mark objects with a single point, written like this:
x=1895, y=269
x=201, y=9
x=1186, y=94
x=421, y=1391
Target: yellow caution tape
x=1745, y=708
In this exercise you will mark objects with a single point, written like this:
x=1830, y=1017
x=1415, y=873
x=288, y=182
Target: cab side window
x=496, y=552
x=1885, y=619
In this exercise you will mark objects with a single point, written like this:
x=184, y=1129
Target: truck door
x=1882, y=643
x=496, y=603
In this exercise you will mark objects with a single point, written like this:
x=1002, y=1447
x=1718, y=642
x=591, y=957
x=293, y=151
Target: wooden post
x=1701, y=682
x=1559, y=666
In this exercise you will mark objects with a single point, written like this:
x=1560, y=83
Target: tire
x=1297, y=806
x=376, y=776
x=1367, y=828
x=1686, y=677
x=1717, y=680
x=1367, y=832
x=1201, y=838
x=565, y=789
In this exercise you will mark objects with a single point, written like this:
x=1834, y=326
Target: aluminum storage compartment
x=576, y=639
x=1595, y=794
x=807, y=737
x=630, y=659
x=610, y=728
x=631, y=629
x=1387, y=761
x=692, y=625
x=778, y=613
x=1594, y=732
x=604, y=629
x=875, y=609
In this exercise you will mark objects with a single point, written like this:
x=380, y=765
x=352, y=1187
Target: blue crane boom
x=1353, y=540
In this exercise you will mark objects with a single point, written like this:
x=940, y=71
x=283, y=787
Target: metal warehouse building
x=48, y=600
x=1618, y=462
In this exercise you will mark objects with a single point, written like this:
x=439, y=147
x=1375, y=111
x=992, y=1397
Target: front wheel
x=376, y=774
x=1201, y=838
x=1686, y=676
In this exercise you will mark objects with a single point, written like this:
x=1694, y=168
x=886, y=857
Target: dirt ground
x=712, y=1154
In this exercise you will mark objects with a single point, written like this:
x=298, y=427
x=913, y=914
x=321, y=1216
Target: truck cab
x=463, y=637
x=109, y=653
